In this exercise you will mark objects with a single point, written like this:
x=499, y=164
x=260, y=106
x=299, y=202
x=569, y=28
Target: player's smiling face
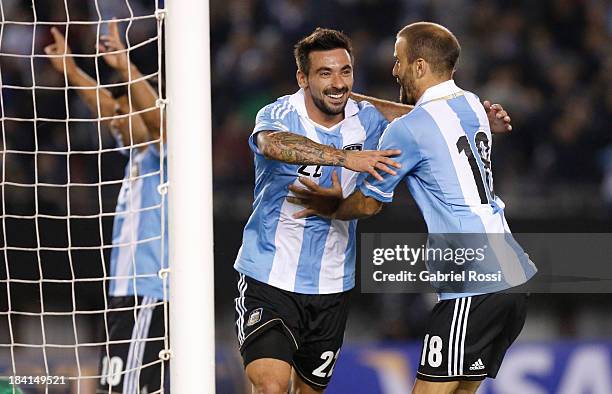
x=329, y=81
x=403, y=72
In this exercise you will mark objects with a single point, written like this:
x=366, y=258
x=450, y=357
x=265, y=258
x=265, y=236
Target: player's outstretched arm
x=142, y=93
x=389, y=109
x=499, y=120
x=61, y=62
x=296, y=149
x=328, y=202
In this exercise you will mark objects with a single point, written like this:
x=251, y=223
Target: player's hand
x=113, y=49
x=315, y=199
x=499, y=120
x=370, y=160
x=59, y=48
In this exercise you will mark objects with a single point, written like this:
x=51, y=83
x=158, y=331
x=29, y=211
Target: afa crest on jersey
x=353, y=147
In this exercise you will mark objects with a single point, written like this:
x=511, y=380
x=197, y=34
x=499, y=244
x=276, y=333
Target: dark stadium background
x=548, y=62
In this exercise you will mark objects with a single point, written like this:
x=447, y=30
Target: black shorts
x=305, y=330
x=467, y=338
x=121, y=365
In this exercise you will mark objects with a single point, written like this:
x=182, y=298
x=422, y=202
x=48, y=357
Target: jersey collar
x=297, y=100
x=445, y=90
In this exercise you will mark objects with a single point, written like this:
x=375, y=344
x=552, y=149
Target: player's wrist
x=343, y=158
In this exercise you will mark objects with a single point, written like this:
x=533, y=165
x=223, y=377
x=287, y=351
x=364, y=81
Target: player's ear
x=301, y=79
x=420, y=68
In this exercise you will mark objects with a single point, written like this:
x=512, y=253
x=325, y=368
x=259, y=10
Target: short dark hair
x=432, y=42
x=320, y=40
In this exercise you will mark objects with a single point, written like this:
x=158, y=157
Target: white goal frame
x=192, y=320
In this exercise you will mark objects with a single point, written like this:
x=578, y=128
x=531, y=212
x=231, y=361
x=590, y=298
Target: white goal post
x=58, y=204
x=190, y=172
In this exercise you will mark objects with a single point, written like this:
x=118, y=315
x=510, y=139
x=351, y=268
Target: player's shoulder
x=471, y=95
x=475, y=102
x=362, y=105
x=412, y=120
x=410, y=127
x=399, y=128
x=369, y=116
x=365, y=108
x=276, y=110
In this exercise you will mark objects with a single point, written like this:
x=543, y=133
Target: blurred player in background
x=295, y=275
x=446, y=143
x=138, y=218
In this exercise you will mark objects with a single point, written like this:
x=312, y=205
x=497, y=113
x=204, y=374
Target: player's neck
x=430, y=82
x=320, y=117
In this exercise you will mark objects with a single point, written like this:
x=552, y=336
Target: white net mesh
x=81, y=306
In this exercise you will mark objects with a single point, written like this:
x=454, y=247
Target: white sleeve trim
x=377, y=190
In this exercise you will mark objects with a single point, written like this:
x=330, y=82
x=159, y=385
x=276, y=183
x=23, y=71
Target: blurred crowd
x=548, y=62
x=35, y=120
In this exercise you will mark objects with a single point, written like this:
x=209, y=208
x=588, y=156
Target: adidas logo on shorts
x=478, y=365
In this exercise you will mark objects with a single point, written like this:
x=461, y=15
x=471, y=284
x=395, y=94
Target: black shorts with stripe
x=305, y=330
x=467, y=338
x=140, y=333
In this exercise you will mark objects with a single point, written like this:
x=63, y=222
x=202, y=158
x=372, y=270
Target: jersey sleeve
x=268, y=119
x=396, y=136
x=374, y=123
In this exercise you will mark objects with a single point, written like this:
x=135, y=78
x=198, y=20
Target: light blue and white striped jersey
x=313, y=255
x=446, y=163
x=137, y=235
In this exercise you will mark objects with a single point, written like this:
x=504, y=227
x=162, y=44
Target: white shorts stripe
x=137, y=345
x=457, y=336
x=244, y=309
x=240, y=308
x=450, y=338
x=237, y=307
x=146, y=324
x=465, y=323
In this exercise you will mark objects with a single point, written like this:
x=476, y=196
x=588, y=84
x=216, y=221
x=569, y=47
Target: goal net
x=84, y=275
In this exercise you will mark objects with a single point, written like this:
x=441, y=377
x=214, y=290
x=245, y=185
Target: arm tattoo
x=295, y=149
